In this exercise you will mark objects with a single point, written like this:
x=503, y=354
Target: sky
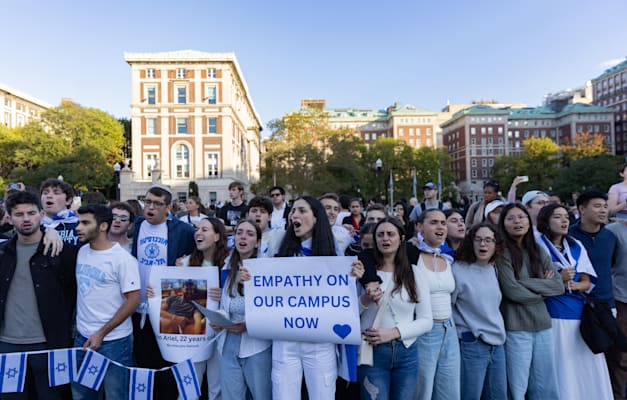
x=357, y=54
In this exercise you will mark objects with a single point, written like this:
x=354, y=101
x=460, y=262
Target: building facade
x=192, y=120
x=17, y=108
x=474, y=137
x=610, y=90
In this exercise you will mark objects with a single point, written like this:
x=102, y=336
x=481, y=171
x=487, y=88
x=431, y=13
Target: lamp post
x=379, y=165
x=116, y=171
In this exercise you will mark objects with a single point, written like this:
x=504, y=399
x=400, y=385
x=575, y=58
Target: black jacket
x=54, y=280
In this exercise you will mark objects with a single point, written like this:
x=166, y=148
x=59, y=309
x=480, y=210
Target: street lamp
x=116, y=171
x=379, y=165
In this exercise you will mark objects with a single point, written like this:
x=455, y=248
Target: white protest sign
x=307, y=299
x=181, y=330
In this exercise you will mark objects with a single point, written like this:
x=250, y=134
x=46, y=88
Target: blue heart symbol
x=342, y=330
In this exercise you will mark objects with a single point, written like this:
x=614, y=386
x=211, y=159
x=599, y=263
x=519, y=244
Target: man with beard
x=108, y=293
x=157, y=241
x=37, y=295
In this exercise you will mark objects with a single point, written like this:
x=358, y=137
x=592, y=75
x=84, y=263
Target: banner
x=308, y=299
x=182, y=331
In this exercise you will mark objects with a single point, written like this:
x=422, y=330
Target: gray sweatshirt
x=619, y=269
x=476, y=302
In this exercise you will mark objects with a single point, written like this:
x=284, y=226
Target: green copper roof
x=478, y=109
x=611, y=71
x=583, y=108
x=532, y=112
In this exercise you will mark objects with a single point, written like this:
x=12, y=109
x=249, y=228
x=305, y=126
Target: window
x=212, y=125
x=411, y=131
x=401, y=132
x=473, y=141
x=181, y=161
x=428, y=141
x=212, y=164
x=20, y=120
x=474, y=173
x=491, y=162
x=181, y=94
x=181, y=125
x=151, y=94
x=180, y=73
x=526, y=134
x=19, y=106
x=150, y=162
x=490, y=130
x=374, y=135
x=484, y=162
x=150, y=73
x=7, y=118
x=366, y=136
x=211, y=73
x=484, y=173
x=212, y=96
x=483, y=130
x=473, y=162
x=473, y=130
x=151, y=126
x=428, y=131
x=7, y=102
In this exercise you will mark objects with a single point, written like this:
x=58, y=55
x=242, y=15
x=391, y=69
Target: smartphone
x=14, y=186
x=524, y=179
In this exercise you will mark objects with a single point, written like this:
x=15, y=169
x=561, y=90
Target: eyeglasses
x=275, y=194
x=122, y=218
x=149, y=203
x=480, y=240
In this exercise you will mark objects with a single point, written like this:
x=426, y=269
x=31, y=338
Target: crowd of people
x=477, y=302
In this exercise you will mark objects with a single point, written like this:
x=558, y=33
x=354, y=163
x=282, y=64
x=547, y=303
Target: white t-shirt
x=102, y=277
x=152, y=249
x=277, y=220
x=271, y=242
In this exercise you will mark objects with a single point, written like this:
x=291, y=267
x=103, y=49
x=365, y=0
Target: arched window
x=181, y=161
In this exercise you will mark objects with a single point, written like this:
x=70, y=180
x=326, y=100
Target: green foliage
x=82, y=144
x=308, y=157
x=193, y=188
x=589, y=173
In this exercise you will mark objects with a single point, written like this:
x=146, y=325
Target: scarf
x=62, y=217
x=425, y=248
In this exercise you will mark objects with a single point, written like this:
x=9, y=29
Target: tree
x=82, y=144
x=586, y=145
x=588, y=173
x=193, y=188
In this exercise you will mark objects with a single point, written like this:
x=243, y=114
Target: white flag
x=141, y=384
x=61, y=366
x=12, y=372
x=185, y=376
x=93, y=370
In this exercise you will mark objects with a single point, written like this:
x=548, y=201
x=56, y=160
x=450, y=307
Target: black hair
x=279, y=188
x=261, y=202
x=543, y=221
x=57, y=183
x=528, y=244
x=345, y=201
x=236, y=259
x=126, y=207
x=585, y=197
x=322, y=241
x=101, y=213
x=18, y=198
x=161, y=192
x=493, y=184
x=466, y=251
x=403, y=272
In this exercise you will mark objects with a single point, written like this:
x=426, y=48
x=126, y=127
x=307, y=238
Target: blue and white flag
x=186, y=380
x=61, y=367
x=141, y=384
x=93, y=370
x=12, y=372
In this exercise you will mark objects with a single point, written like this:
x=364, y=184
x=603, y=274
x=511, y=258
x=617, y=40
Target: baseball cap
x=430, y=185
x=532, y=194
x=491, y=206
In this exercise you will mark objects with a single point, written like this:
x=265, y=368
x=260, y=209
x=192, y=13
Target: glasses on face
x=480, y=240
x=275, y=194
x=155, y=203
x=122, y=218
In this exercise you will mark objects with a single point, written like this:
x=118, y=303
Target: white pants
x=212, y=367
x=290, y=359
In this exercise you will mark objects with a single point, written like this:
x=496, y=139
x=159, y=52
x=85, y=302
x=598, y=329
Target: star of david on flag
x=12, y=372
x=61, y=367
x=141, y=384
x=93, y=370
x=186, y=380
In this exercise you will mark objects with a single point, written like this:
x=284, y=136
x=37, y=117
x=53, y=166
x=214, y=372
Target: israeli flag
x=93, y=370
x=141, y=384
x=12, y=372
x=186, y=380
x=61, y=367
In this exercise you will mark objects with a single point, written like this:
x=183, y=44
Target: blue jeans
x=393, y=372
x=438, y=354
x=530, y=365
x=483, y=369
x=239, y=376
x=36, y=384
x=116, y=380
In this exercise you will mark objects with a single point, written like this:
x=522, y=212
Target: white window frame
x=179, y=125
x=212, y=73
x=177, y=94
x=180, y=73
x=149, y=122
x=150, y=73
x=214, y=125
x=181, y=165
x=212, y=99
x=150, y=88
x=212, y=160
